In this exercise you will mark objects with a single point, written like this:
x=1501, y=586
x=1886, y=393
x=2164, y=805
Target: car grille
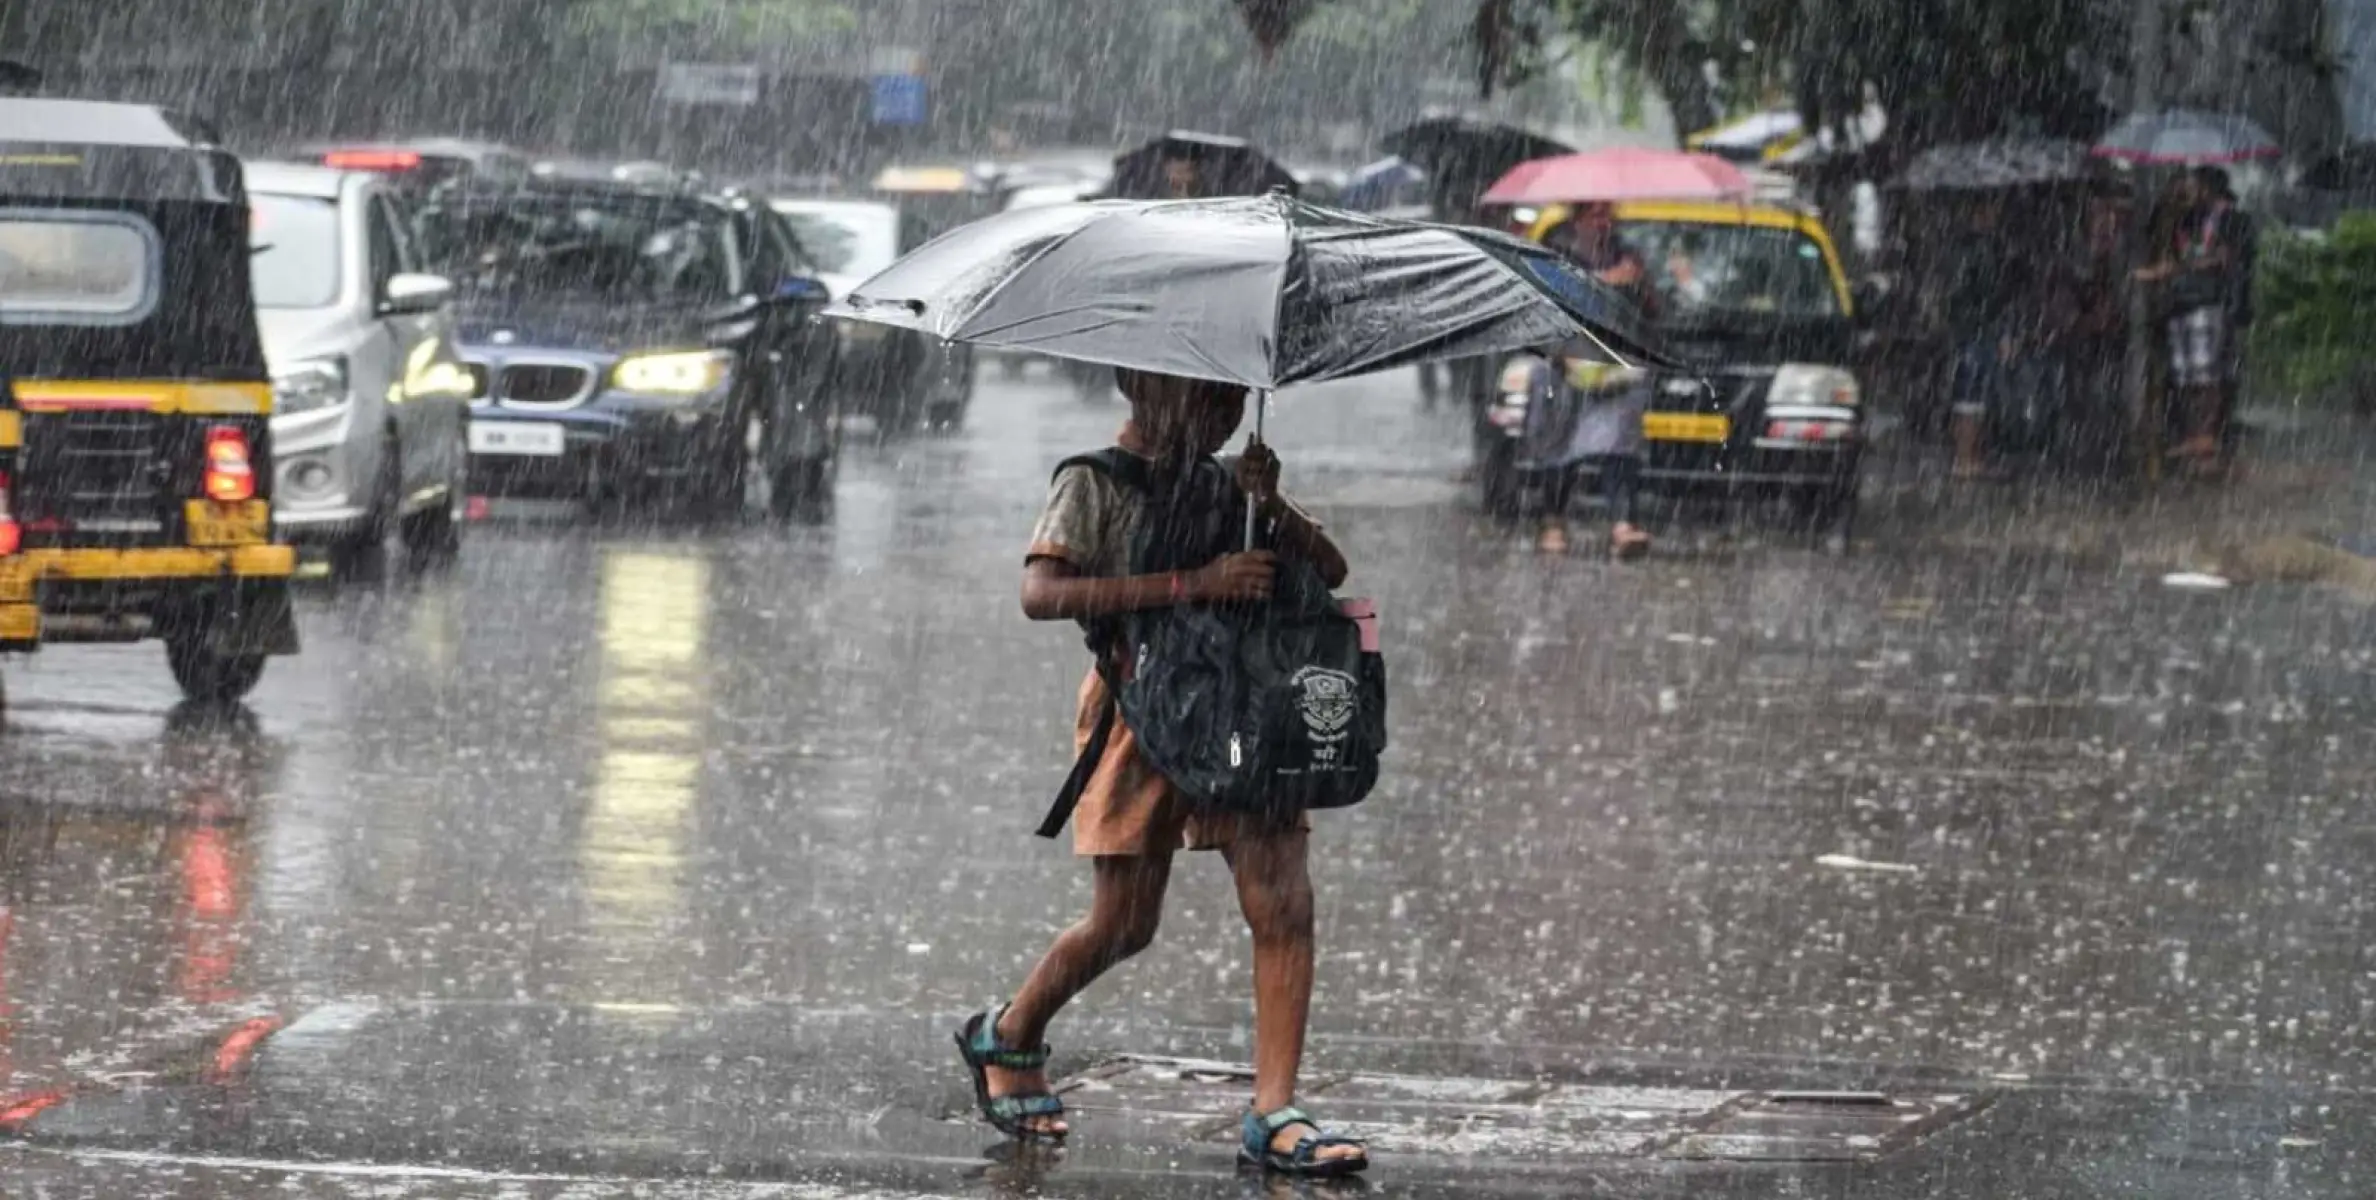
x=543, y=383
x=100, y=475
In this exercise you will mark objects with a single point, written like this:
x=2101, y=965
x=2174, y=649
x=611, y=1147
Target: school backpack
x=1264, y=709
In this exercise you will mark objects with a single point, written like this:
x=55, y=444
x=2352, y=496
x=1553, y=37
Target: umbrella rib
x=983, y=301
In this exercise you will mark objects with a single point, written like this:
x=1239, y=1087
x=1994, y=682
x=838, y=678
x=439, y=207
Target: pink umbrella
x=1623, y=174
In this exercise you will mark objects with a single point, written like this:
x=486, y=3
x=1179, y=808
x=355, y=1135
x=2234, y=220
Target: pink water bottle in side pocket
x=1364, y=612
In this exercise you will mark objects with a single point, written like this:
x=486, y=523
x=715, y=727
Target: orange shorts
x=1127, y=808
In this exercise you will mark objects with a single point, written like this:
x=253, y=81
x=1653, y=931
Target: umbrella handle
x=1261, y=406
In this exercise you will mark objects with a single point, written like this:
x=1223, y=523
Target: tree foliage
x=1942, y=69
x=2313, y=297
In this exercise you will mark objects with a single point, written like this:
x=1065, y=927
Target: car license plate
x=217, y=523
x=542, y=440
x=1686, y=427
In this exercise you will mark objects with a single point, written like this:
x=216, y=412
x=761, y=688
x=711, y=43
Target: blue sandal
x=978, y=1042
x=1254, y=1147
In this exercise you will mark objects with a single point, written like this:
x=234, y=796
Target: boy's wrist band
x=1179, y=588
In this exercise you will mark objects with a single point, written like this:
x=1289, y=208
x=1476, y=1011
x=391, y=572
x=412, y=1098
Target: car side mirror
x=801, y=288
x=413, y=294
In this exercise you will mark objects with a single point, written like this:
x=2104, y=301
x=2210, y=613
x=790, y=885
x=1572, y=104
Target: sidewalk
x=2299, y=507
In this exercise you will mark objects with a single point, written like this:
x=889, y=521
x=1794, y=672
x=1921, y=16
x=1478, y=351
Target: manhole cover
x=1461, y=1117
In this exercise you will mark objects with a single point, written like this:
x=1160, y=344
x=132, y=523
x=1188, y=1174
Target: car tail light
x=1807, y=431
x=12, y=535
x=373, y=160
x=229, y=474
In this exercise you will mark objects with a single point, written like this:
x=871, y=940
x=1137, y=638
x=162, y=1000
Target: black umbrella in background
x=2350, y=169
x=19, y=79
x=1225, y=166
x=1463, y=156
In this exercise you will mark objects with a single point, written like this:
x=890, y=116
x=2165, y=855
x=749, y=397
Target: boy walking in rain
x=1130, y=821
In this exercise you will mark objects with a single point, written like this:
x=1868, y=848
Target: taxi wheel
x=209, y=677
x=1828, y=515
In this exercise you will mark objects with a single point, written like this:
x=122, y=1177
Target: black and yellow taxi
x=1752, y=302
x=135, y=436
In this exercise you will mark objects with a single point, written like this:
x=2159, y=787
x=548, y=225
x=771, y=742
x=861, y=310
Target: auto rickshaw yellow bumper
x=22, y=575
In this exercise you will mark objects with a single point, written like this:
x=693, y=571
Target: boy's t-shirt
x=1091, y=521
x=1088, y=523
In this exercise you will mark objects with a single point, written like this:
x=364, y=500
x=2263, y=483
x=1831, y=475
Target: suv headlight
x=308, y=386
x=678, y=373
x=1811, y=384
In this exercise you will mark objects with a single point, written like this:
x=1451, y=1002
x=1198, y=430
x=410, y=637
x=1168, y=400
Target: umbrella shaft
x=1261, y=405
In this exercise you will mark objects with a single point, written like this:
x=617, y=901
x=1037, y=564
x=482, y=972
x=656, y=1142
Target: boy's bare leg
x=1125, y=904
x=1275, y=892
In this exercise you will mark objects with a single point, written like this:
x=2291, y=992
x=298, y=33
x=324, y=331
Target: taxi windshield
x=1704, y=273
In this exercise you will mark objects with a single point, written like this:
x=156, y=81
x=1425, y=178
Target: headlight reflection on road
x=632, y=853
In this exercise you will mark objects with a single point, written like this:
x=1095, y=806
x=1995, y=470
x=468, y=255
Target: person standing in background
x=2200, y=264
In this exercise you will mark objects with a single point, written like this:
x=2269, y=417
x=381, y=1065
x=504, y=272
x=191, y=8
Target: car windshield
x=846, y=239
x=293, y=256
x=595, y=244
x=1705, y=272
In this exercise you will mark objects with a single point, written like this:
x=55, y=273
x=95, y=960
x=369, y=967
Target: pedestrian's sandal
x=978, y=1043
x=1254, y=1149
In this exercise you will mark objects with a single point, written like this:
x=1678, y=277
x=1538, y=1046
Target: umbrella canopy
x=1758, y=137
x=1627, y=174
x=2351, y=169
x=1387, y=183
x=1990, y=165
x=1464, y=155
x=2179, y=135
x=1225, y=166
x=1262, y=291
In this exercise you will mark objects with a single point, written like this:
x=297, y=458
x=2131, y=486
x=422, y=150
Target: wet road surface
x=672, y=852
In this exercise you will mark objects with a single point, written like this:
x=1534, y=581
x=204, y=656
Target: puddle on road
x=1466, y=1117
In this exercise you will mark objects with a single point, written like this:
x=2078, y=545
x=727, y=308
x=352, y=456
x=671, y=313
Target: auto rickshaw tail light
x=229, y=474
x=12, y=535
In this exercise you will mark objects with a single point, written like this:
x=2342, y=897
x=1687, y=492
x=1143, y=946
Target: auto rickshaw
x=134, y=427
x=1753, y=299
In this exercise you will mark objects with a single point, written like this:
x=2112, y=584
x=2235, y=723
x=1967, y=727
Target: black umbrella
x=1225, y=166
x=19, y=79
x=1463, y=155
x=1990, y=165
x=2181, y=136
x=1262, y=291
x=2350, y=169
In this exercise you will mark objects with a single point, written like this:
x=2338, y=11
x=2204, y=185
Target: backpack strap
x=1114, y=463
x=1068, y=797
x=1130, y=471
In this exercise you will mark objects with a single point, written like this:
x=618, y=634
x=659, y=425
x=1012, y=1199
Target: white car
x=370, y=425
x=900, y=379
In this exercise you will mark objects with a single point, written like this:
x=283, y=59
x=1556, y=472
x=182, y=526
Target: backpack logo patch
x=1326, y=704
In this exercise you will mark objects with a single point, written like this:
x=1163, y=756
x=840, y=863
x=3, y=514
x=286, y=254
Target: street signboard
x=900, y=100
